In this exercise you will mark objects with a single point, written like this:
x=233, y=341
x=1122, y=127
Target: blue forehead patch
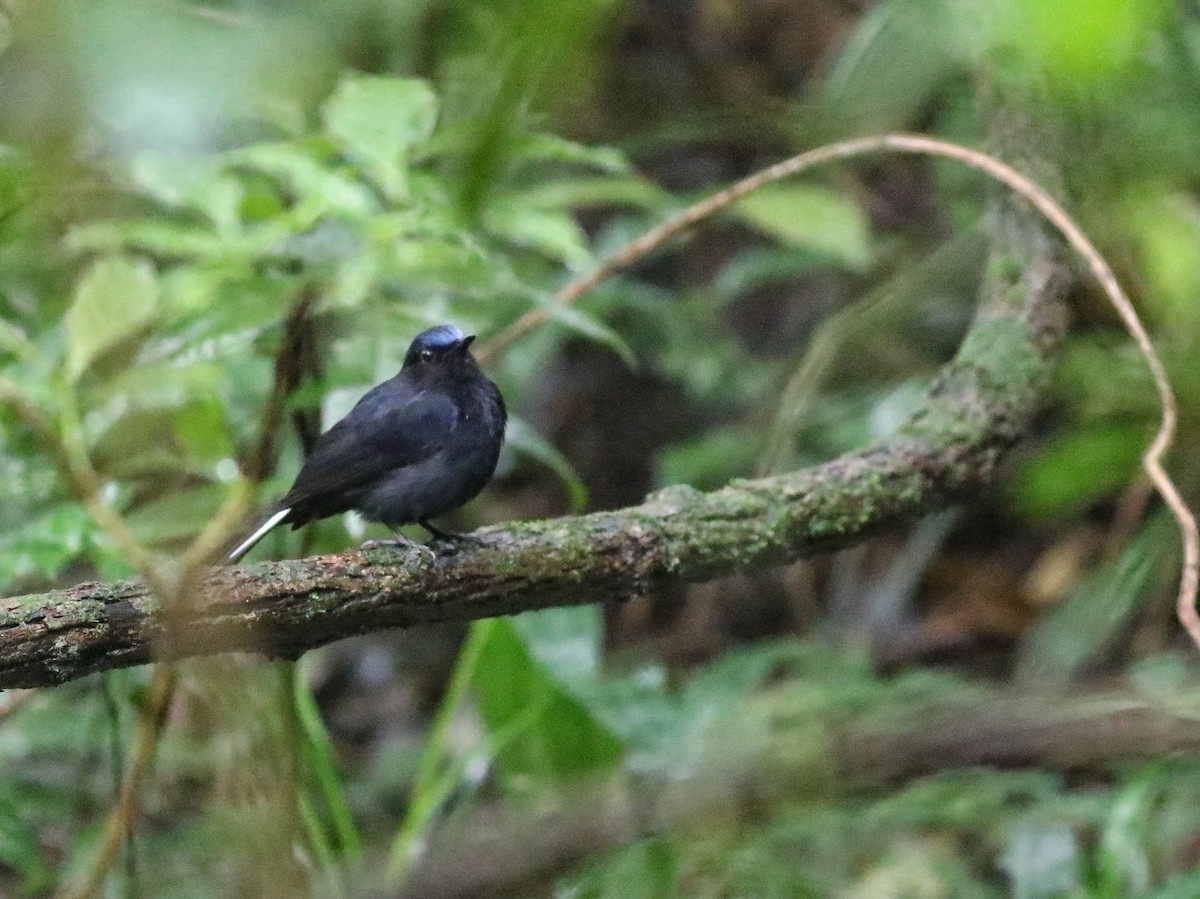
x=441, y=336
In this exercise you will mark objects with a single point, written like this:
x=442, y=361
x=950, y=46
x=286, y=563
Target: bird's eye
x=426, y=355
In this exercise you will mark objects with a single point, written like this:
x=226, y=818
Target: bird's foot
x=400, y=541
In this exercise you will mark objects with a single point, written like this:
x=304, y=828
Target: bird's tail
x=261, y=531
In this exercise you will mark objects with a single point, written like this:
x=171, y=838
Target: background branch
x=789, y=746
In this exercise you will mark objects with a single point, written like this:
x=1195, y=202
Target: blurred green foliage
x=177, y=178
x=168, y=333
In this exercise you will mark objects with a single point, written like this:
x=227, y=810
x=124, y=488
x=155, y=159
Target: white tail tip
x=248, y=544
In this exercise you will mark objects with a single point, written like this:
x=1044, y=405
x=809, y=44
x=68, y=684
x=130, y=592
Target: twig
x=68, y=446
x=173, y=591
x=294, y=362
x=1007, y=175
x=121, y=817
x=294, y=357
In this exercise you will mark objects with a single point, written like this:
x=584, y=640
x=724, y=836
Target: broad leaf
x=197, y=184
x=374, y=120
x=566, y=640
x=552, y=148
x=319, y=189
x=177, y=515
x=1053, y=483
x=577, y=320
x=545, y=733
x=525, y=439
x=114, y=299
x=553, y=232
x=811, y=217
x=1082, y=625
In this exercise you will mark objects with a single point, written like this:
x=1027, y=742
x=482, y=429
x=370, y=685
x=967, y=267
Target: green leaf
x=114, y=299
x=811, y=217
x=667, y=728
x=1086, y=622
x=202, y=431
x=352, y=282
x=438, y=265
x=1167, y=227
x=197, y=184
x=373, y=120
x=708, y=461
x=1078, y=468
x=575, y=319
x=321, y=762
x=524, y=439
x=599, y=190
x=320, y=189
x=1093, y=43
x=19, y=849
x=646, y=869
x=552, y=148
x=165, y=239
x=565, y=640
x=176, y=515
x=44, y=544
x=753, y=269
x=971, y=798
x=1123, y=863
x=559, y=738
x=160, y=384
x=553, y=232
x=888, y=69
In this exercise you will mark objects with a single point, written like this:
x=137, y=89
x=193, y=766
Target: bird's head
x=440, y=344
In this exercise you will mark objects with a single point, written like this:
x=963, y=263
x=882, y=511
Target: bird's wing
x=394, y=425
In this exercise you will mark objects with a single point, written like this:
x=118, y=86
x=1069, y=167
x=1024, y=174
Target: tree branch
x=977, y=408
x=792, y=744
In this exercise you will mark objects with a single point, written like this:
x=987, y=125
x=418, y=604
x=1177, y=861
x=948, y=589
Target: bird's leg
x=399, y=539
x=438, y=532
x=448, y=536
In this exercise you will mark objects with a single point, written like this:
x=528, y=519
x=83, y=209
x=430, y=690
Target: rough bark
x=977, y=408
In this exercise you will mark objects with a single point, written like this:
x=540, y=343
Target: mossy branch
x=976, y=409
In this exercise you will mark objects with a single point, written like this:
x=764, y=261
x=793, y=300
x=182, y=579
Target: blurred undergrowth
x=177, y=178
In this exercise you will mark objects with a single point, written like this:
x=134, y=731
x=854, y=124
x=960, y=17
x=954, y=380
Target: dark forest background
x=197, y=197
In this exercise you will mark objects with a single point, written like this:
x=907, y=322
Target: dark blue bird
x=417, y=446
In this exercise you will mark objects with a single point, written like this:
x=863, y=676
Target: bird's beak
x=465, y=343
